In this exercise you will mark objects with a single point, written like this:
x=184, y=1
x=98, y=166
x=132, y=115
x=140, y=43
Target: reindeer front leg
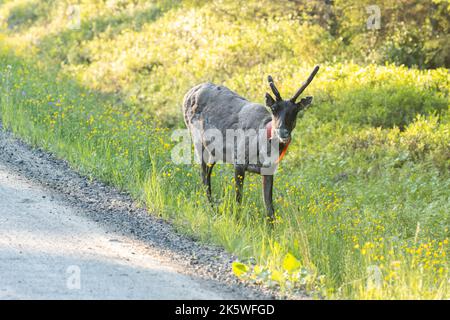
x=206, y=177
x=267, y=192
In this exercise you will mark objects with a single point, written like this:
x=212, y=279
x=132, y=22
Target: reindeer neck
x=283, y=146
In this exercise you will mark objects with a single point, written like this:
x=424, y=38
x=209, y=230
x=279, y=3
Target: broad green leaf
x=258, y=269
x=290, y=263
x=277, y=276
x=239, y=269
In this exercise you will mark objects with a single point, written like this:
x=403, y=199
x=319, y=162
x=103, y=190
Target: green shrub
x=24, y=15
x=424, y=140
x=381, y=96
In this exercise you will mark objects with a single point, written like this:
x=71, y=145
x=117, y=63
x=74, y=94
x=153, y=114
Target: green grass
x=362, y=196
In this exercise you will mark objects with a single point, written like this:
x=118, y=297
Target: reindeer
x=209, y=107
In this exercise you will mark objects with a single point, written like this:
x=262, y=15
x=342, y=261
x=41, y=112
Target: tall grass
x=362, y=197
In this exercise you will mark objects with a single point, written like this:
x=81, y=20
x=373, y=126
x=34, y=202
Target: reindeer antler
x=305, y=84
x=274, y=89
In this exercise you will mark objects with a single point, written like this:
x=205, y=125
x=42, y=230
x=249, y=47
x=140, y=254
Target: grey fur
x=209, y=106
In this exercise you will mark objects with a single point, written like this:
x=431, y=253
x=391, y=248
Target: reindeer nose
x=283, y=133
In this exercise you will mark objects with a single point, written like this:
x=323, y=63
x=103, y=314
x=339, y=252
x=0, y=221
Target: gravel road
x=63, y=236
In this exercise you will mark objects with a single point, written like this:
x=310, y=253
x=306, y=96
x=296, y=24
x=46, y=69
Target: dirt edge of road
x=117, y=212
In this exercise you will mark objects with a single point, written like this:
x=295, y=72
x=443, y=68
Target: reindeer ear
x=305, y=102
x=269, y=101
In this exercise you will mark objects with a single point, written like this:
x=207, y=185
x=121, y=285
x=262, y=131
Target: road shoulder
x=118, y=213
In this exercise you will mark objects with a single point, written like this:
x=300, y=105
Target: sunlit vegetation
x=362, y=197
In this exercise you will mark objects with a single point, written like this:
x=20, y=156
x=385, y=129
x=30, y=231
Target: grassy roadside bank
x=342, y=215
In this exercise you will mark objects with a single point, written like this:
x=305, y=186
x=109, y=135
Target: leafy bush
x=380, y=96
x=24, y=15
x=424, y=140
